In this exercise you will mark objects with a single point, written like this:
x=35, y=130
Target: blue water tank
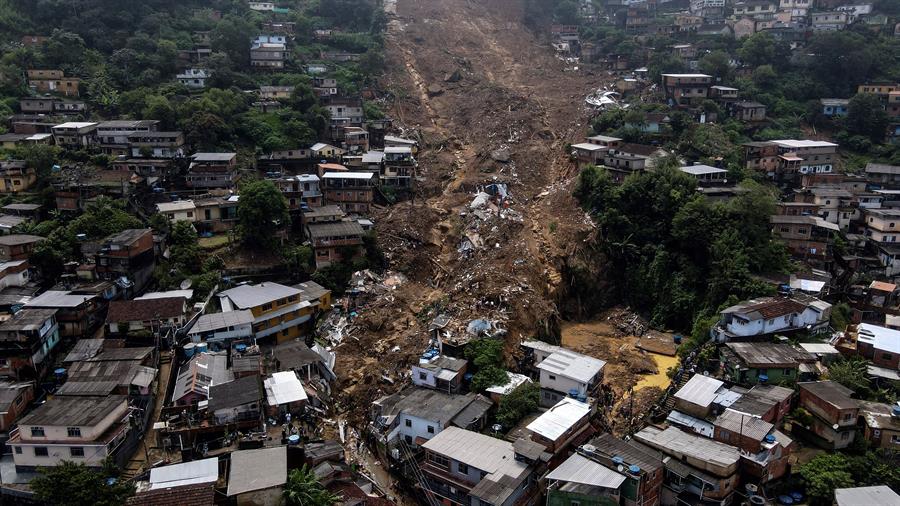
x=797, y=496
x=59, y=373
x=573, y=393
x=896, y=411
x=770, y=438
x=189, y=350
x=618, y=460
x=763, y=378
x=677, y=338
x=240, y=348
x=201, y=348
x=293, y=439
x=633, y=469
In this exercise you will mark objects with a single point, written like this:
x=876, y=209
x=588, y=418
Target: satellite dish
x=835, y=426
x=620, y=468
x=186, y=284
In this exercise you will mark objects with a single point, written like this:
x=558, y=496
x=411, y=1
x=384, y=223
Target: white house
x=193, y=78
x=565, y=372
x=439, y=372
x=222, y=327
x=416, y=415
x=83, y=429
x=180, y=210
x=262, y=6
x=557, y=426
x=765, y=316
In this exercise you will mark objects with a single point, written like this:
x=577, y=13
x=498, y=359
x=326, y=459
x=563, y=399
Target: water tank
x=189, y=350
x=757, y=500
x=201, y=348
x=618, y=460
x=633, y=469
x=797, y=497
x=786, y=500
x=763, y=378
x=573, y=393
x=895, y=411
x=59, y=373
x=582, y=398
x=293, y=439
x=240, y=348
x=770, y=438
x=677, y=338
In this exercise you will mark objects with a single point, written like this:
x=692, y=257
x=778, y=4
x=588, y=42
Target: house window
x=848, y=417
x=786, y=372
x=772, y=321
x=76, y=451
x=439, y=460
x=886, y=356
x=845, y=435
x=462, y=468
x=37, y=432
x=74, y=431
x=408, y=440
x=431, y=429
x=18, y=450
x=41, y=451
x=408, y=422
x=423, y=376
x=895, y=439
x=267, y=306
x=552, y=377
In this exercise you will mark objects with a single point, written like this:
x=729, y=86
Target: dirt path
x=490, y=103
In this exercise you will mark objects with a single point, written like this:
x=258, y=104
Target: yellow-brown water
x=660, y=379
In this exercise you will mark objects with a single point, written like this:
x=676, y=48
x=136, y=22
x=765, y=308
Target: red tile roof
x=775, y=308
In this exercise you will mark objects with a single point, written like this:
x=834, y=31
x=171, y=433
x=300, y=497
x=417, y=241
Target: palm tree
x=303, y=489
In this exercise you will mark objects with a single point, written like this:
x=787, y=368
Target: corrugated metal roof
x=216, y=321
x=744, y=424
x=882, y=495
x=257, y=470
x=699, y=390
x=578, y=469
x=560, y=418
x=484, y=453
x=283, y=388
x=186, y=473
x=676, y=442
x=698, y=426
x=572, y=365
x=881, y=338
x=249, y=296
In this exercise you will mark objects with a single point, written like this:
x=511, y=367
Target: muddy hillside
x=493, y=221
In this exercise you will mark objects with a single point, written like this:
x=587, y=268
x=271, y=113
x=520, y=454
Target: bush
x=518, y=403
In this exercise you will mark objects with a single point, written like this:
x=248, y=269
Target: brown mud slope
x=489, y=103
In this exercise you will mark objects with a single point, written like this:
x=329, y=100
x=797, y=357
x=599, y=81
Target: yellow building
x=280, y=313
x=16, y=177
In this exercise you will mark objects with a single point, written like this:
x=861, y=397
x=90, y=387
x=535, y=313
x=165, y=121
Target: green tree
x=852, y=373
x=716, y=63
x=40, y=156
x=824, y=473
x=303, y=489
x=71, y=484
x=866, y=116
x=262, y=211
x=841, y=316
x=758, y=49
x=518, y=403
x=487, y=355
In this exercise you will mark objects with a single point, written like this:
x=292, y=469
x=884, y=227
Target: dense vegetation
x=828, y=471
x=127, y=59
x=672, y=252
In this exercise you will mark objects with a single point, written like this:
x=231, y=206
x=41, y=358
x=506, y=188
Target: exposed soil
x=489, y=103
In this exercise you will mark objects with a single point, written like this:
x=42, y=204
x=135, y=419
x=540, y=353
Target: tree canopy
x=262, y=211
x=71, y=484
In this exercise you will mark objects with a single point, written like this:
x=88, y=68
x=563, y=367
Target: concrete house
x=15, y=397
x=760, y=362
x=696, y=466
x=760, y=318
x=641, y=466
x=833, y=107
x=563, y=425
x=221, y=328
x=683, y=89
x=180, y=210
x=466, y=467
x=279, y=312
x=236, y=401
x=415, y=415
x=353, y=191
x=197, y=375
x=212, y=170
x=27, y=340
x=75, y=134
x=565, y=373
x=439, y=372
x=880, y=345
x=128, y=255
x=193, y=78
x=832, y=406
x=81, y=429
x=152, y=315
x=580, y=480
x=257, y=476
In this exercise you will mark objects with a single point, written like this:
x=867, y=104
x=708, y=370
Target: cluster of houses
x=788, y=20
x=722, y=439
